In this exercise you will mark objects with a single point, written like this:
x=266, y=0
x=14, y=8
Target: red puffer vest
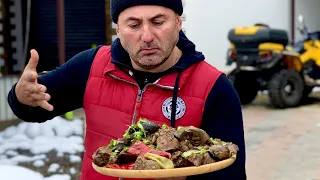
x=113, y=100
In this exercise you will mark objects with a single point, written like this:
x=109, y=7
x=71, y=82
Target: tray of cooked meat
x=149, y=150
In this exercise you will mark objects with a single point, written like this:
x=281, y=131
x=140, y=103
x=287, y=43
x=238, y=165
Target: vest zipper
x=139, y=96
x=140, y=92
x=124, y=80
x=164, y=87
x=161, y=86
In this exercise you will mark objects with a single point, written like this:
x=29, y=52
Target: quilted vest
x=113, y=101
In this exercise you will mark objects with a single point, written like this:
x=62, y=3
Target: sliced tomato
x=122, y=166
x=113, y=166
x=140, y=149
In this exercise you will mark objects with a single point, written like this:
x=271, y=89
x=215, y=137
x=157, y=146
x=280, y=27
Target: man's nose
x=147, y=35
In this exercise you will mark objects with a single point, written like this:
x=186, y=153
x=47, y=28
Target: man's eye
x=134, y=26
x=158, y=23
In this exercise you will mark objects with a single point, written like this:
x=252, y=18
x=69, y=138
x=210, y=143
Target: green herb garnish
x=164, y=126
x=125, y=148
x=189, y=153
x=113, y=143
x=217, y=141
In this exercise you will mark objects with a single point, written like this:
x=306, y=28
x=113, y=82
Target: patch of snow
x=55, y=127
x=18, y=141
x=75, y=158
x=1, y=139
x=60, y=154
x=53, y=168
x=21, y=128
x=9, y=132
x=60, y=144
x=58, y=177
x=72, y=170
x=22, y=158
x=316, y=89
x=65, y=128
x=77, y=125
x=33, y=130
x=12, y=153
x=10, y=172
x=5, y=161
x=58, y=134
x=61, y=135
x=38, y=163
x=3, y=157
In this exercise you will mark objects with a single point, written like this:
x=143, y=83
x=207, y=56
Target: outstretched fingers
x=33, y=61
x=45, y=105
x=40, y=96
x=35, y=88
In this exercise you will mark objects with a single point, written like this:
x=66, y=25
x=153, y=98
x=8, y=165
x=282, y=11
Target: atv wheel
x=307, y=91
x=286, y=89
x=245, y=85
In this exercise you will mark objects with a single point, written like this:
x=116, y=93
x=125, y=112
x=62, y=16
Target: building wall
x=208, y=22
x=310, y=10
x=6, y=84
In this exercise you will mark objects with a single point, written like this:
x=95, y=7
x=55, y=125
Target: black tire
x=246, y=86
x=279, y=96
x=307, y=90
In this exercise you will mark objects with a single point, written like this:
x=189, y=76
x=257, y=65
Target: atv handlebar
x=304, y=30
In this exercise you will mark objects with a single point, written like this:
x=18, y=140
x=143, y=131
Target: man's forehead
x=145, y=11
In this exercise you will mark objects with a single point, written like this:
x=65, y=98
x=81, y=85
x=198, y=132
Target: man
x=151, y=66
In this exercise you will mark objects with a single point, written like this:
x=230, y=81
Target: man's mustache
x=148, y=46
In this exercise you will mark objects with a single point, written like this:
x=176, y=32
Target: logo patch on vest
x=167, y=107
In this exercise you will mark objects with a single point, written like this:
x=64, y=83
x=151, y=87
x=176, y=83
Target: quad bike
x=266, y=61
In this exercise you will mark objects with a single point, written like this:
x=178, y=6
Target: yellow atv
x=265, y=61
x=309, y=49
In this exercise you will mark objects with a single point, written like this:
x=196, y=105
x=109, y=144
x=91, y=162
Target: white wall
x=310, y=10
x=6, y=84
x=208, y=22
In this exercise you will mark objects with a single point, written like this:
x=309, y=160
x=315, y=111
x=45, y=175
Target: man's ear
x=179, y=22
x=118, y=30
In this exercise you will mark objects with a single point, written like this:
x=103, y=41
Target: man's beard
x=154, y=60
x=145, y=65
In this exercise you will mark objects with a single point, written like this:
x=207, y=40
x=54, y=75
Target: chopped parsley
x=189, y=153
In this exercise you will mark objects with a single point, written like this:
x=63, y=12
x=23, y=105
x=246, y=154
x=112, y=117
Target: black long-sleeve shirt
x=222, y=117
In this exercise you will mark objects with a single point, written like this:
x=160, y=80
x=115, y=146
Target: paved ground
x=282, y=144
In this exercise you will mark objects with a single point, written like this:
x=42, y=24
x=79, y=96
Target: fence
x=6, y=84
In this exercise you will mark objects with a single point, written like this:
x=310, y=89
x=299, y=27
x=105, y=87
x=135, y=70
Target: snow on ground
x=13, y=172
x=38, y=139
x=316, y=89
x=53, y=168
x=57, y=134
x=38, y=163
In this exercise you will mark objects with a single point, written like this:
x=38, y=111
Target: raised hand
x=27, y=90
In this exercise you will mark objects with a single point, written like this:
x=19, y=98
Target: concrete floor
x=282, y=144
